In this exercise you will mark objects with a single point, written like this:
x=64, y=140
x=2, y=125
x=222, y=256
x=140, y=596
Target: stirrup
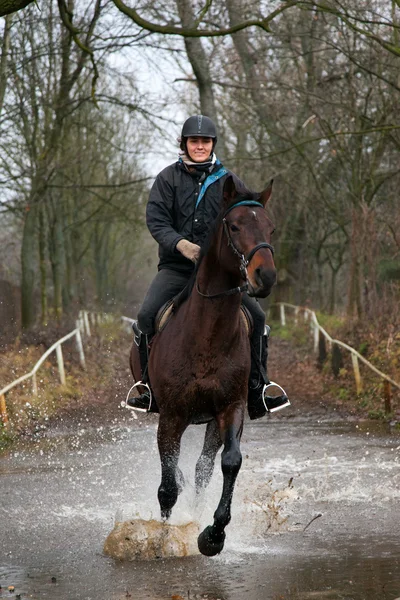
x=125, y=404
x=284, y=398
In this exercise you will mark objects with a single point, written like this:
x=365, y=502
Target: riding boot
x=258, y=402
x=144, y=401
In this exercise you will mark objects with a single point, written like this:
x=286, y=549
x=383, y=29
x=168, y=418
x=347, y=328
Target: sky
x=155, y=74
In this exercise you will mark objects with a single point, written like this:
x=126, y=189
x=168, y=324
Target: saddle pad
x=165, y=313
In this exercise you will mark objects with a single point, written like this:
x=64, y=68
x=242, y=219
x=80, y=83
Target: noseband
x=244, y=260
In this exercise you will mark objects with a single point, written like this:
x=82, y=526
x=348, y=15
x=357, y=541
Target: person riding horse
x=184, y=203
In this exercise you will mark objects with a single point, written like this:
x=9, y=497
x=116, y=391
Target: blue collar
x=210, y=180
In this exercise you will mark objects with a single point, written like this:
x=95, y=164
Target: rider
x=184, y=202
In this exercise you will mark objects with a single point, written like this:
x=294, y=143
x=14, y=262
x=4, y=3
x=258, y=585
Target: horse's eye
x=273, y=231
x=234, y=228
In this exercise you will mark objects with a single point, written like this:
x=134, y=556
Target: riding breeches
x=167, y=284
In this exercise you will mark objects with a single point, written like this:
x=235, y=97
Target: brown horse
x=199, y=363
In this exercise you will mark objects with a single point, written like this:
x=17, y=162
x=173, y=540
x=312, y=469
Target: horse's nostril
x=264, y=278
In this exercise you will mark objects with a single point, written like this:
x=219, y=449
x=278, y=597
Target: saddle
x=166, y=312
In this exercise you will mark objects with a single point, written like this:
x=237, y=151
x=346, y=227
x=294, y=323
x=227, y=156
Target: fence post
x=60, y=362
x=3, y=409
x=86, y=321
x=34, y=385
x=322, y=353
x=283, y=319
x=337, y=361
x=387, y=394
x=316, y=338
x=80, y=346
x=296, y=315
x=357, y=375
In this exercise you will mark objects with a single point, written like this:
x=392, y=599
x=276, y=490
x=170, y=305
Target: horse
x=199, y=363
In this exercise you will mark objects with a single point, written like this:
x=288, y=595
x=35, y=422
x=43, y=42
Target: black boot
x=143, y=402
x=258, y=402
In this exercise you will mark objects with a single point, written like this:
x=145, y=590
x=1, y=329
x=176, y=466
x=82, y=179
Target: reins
x=231, y=292
x=244, y=260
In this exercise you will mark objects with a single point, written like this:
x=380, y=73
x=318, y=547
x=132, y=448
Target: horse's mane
x=243, y=193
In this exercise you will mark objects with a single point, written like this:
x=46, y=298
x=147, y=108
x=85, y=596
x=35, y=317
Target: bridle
x=244, y=260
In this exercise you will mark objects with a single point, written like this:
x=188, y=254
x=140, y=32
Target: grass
x=299, y=335
x=331, y=323
x=26, y=412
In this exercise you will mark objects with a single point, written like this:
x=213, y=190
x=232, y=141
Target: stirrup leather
x=280, y=406
x=125, y=404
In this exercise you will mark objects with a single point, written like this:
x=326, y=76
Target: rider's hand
x=189, y=250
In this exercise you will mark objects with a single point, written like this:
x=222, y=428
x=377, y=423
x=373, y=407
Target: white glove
x=189, y=250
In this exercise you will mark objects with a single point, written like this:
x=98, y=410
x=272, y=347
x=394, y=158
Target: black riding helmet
x=198, y=126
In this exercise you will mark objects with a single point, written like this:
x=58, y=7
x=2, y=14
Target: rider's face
x=199, y=148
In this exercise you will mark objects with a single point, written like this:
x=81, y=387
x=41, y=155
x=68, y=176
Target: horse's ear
x=230, y=191
x=266, y=194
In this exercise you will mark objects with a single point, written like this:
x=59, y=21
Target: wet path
x=60, y=498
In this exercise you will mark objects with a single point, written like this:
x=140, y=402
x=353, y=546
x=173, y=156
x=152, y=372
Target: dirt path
x=292, y=367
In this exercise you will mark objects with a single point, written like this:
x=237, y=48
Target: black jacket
x=171, y=214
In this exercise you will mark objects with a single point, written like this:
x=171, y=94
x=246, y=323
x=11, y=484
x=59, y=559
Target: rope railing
x=320, y=337
x=82, y=327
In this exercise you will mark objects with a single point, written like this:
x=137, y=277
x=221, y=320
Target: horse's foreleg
x=169, y=440
x=211, y=540
x=205, y=464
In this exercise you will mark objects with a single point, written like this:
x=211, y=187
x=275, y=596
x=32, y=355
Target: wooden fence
x=82, y=327
x=322, y=339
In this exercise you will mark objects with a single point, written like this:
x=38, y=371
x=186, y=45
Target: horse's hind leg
x=169, y=441
x=212, y=539
x=205, y=464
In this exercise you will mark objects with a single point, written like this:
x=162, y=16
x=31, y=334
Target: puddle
x=315, y=515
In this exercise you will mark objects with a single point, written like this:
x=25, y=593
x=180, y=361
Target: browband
x=243, y=203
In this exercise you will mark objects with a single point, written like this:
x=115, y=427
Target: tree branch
x=326, y=7
x=203, y=13
x=66, y=17
x=9, y=6
x=194, y=31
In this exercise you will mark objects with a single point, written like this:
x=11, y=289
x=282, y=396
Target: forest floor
x=95, y=395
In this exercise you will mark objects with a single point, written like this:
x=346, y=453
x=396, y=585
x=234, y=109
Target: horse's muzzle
x=261, y=282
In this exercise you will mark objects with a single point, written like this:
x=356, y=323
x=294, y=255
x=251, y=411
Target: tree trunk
x=43, y=264
x=354, y=308
x=199, y=61
x=28, y=267
x=3, y=60
x=371, y=254
x=57, y=256
x=332, y=294
x=70, y=287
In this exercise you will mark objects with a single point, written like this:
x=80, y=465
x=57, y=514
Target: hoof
x=209, y=546
x=165, y=515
